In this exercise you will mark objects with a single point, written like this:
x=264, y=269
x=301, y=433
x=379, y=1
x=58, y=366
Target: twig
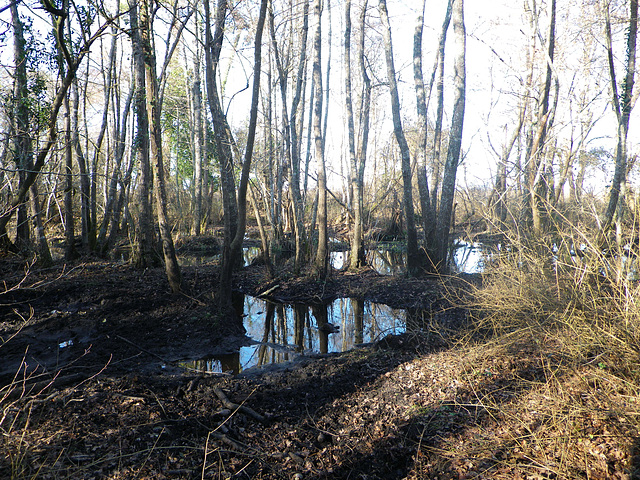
x=267, y=292
x=142, y=349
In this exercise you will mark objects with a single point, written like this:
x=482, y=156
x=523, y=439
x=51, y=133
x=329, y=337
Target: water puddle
x=391, y=258
x=249, y=254
x=468, y=257
x=280, y=332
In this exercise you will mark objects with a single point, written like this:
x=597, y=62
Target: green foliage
x=176, y=122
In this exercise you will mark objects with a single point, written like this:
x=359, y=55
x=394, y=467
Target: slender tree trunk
x=622, y=106
x=236, y=244
x=438, y=69
x=537, y=186
x=297, y=200
x=413, y=257
x=365, y=109
x=142, y=255
x=22, y=144
x=154, y=106
x=290, y=130
x=111, y=206
x=69, y=230
x=321, y=262
x=357, y=256
x=445, y=213
x=428, y=218
x=222, y=140
x=198, y=136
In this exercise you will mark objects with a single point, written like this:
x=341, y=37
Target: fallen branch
x=240, y=408
x=268, y=292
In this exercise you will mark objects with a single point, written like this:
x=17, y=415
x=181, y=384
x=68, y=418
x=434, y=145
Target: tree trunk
x=59, y=15
x=236, y=244
x=438, y=69
x=198, y=136
x=290, y=130
x=321, y=262
x=143, y=249
x=413, y=257
x=69, y=229
x=537, y=185
x=622, y=106
x=428, y=218
x=445, y=213
x=222, y=140
x=365, y=109
x=111, y=208
x=357, y=256
x=154, y=106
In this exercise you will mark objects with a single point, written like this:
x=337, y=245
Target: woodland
x=147, y=146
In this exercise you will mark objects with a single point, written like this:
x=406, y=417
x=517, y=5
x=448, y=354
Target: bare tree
x=321, y=262
x=622, y=106
x=413, y=256
x=236, y=244
x=445, y=212
x=72, y=59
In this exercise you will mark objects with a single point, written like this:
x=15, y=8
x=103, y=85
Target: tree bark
x=445, y=213
x=222, y=139
x=357, y=255
x=428, y=218
x=537, y=184
x=622, y=106
x=143, y=254
x=154, y=106
x=59, y=15
x=236, y=244
x=413, y=257
x=321, y=262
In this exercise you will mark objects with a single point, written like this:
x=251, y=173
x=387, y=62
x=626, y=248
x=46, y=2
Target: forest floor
x=90, y=388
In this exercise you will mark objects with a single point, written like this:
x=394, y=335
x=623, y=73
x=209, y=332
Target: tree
x=321, y=262
x=73, y=59
x=357, y=248
x=445, y=212
x=22, y=145
x=154, y=107
x=413, y=257
x=236, y=244
x=222, y=135
x=622, y=105
x=142, y=252
x=536, y=165
x=290, y=134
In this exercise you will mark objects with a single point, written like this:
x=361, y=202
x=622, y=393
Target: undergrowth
x=556, y=333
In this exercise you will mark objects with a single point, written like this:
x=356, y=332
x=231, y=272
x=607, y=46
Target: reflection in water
x=249, y=254
x=385, y=259
x=388, y=260
x=300, y=328
x=215, y=364
x=281, y=332
x=468, y=257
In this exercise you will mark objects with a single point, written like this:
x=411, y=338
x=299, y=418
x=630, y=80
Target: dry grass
x=553, y=364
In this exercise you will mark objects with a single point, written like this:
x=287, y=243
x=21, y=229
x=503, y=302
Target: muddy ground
x=91, y=387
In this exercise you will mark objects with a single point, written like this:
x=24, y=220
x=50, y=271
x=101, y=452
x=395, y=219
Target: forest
x=319, y=239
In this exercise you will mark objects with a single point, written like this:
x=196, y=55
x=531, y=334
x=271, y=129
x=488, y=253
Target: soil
x=91, y=386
